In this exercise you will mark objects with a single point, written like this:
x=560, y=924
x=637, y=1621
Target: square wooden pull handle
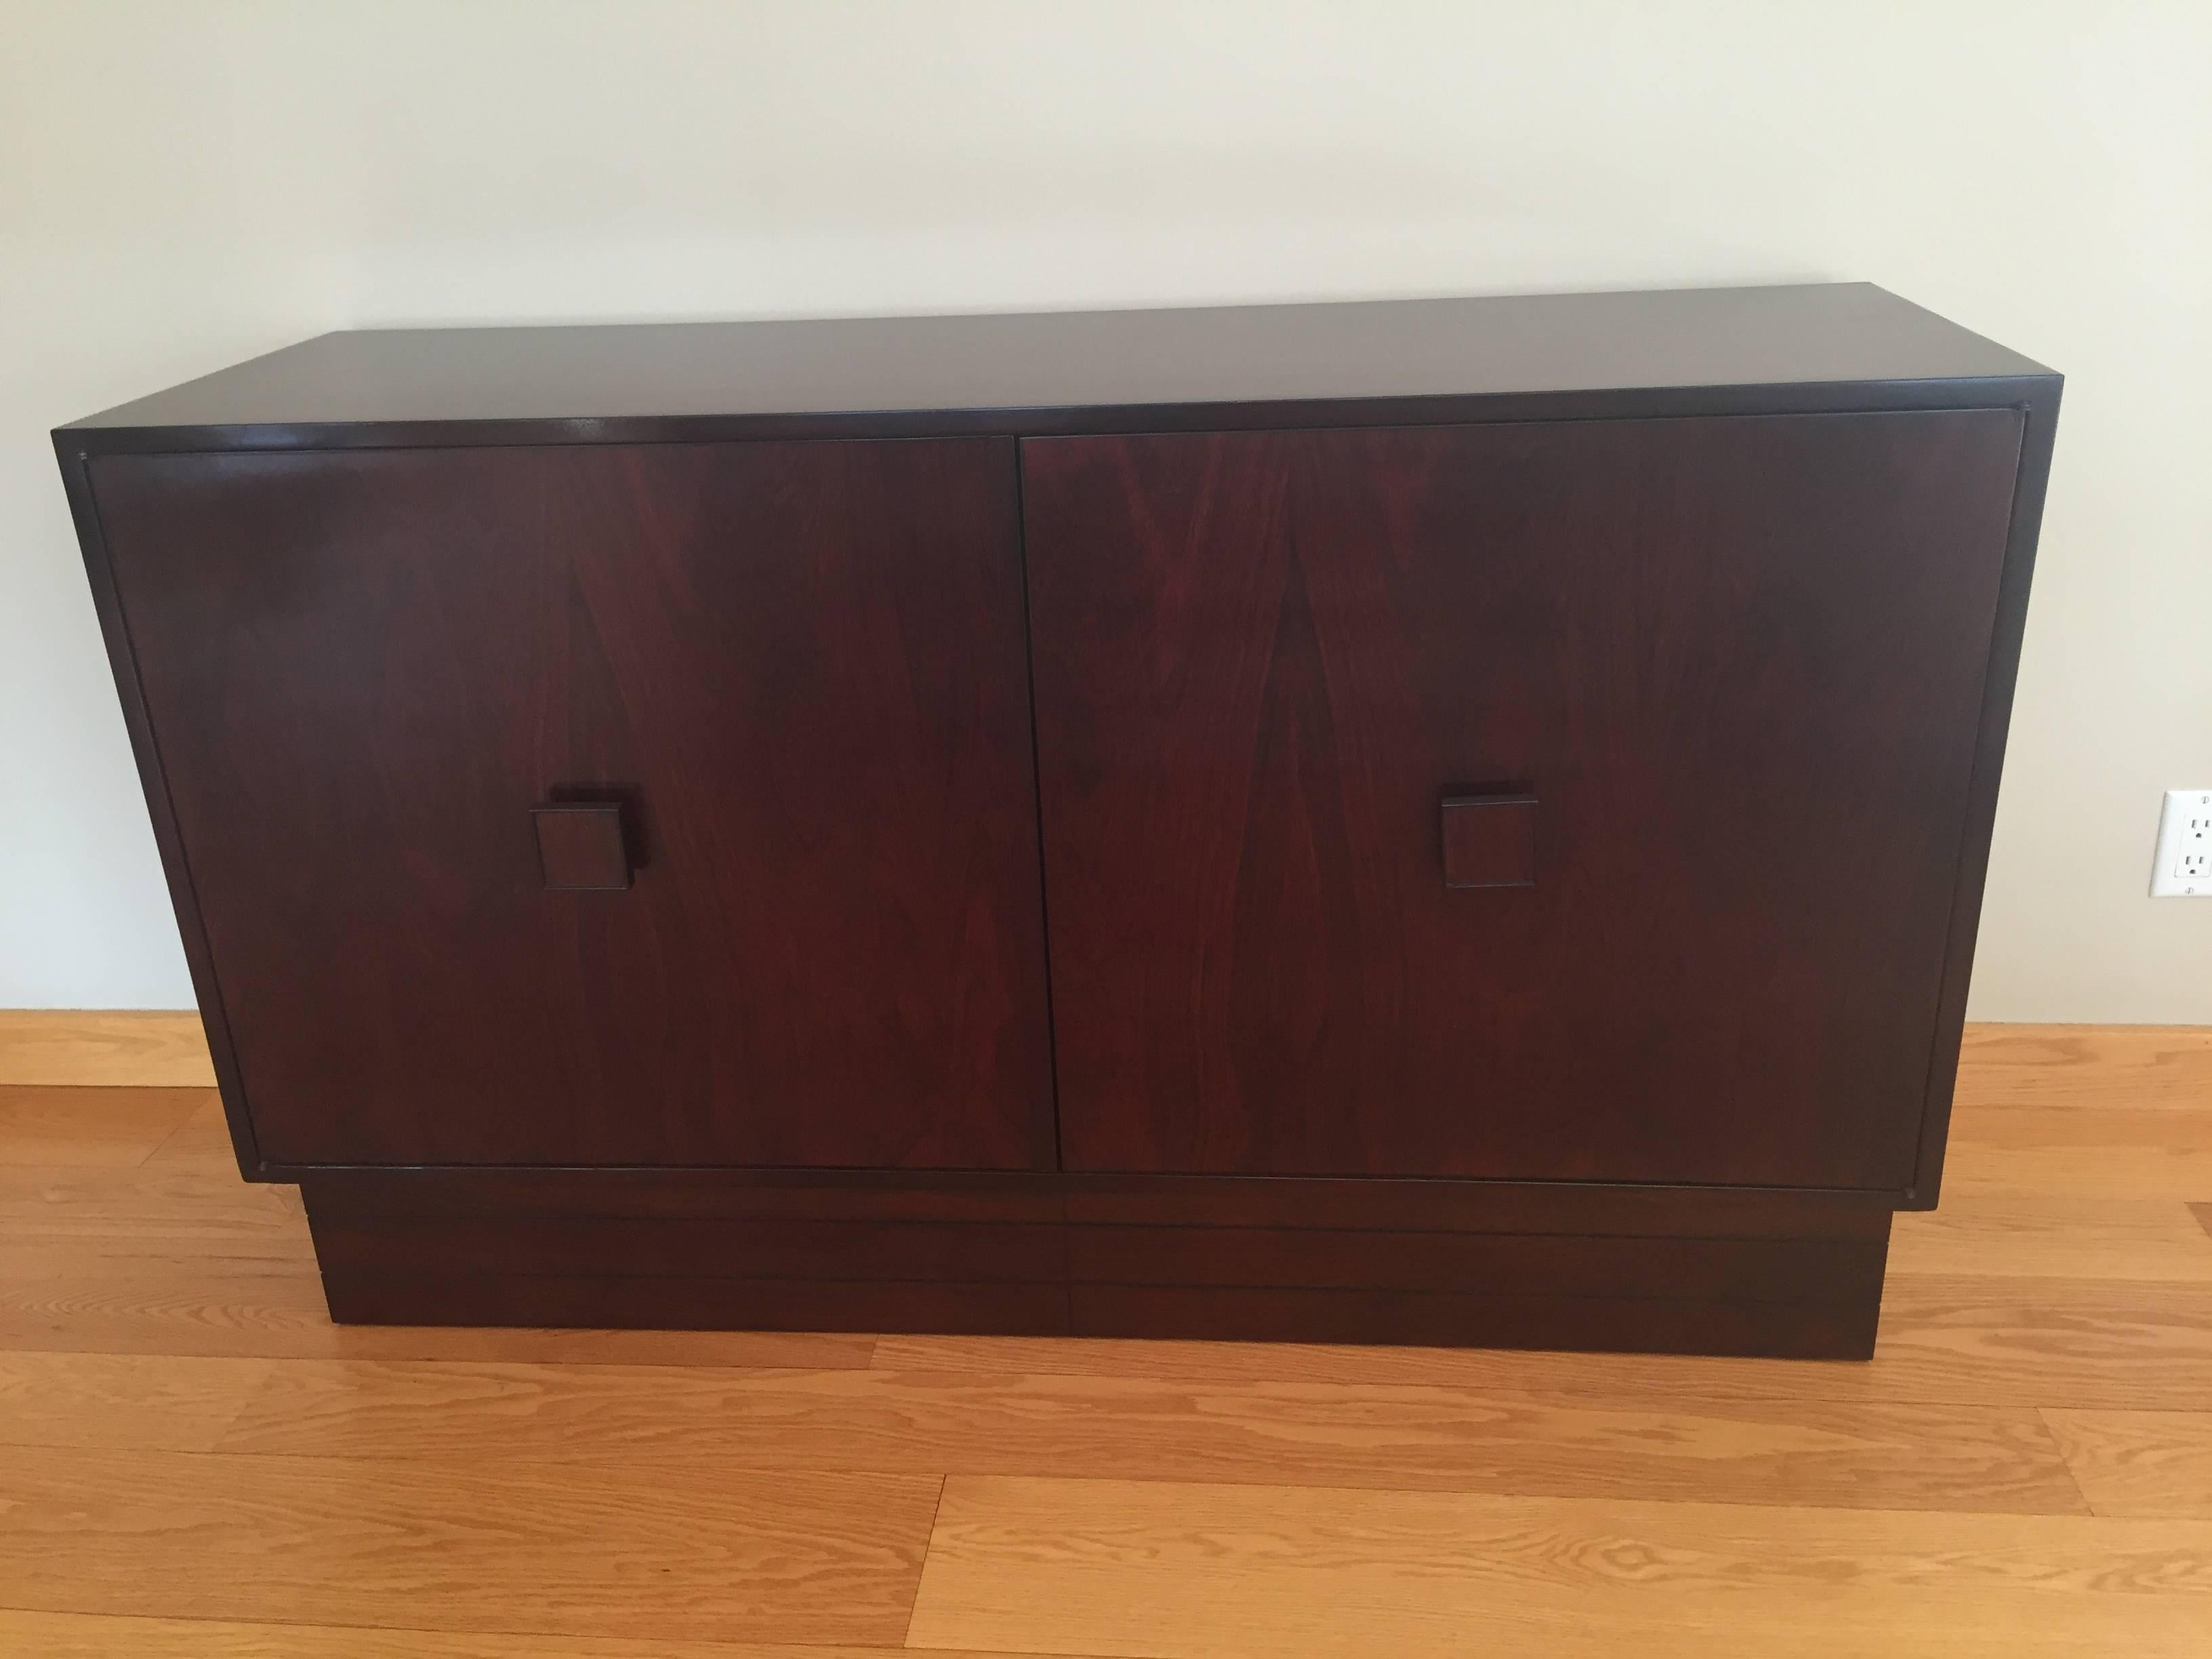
x=1490, y=837
x=580, y=846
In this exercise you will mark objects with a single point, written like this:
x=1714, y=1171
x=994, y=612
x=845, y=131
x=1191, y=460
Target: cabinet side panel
x=84, y=508
x=2040, y=431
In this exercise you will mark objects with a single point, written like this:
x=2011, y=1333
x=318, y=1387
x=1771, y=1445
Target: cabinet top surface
x=1314, y=355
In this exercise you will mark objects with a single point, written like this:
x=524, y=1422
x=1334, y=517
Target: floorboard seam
x=928, y=1543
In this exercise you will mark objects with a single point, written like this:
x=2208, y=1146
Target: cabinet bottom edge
x=1687, y=1285
x=1286, y=1314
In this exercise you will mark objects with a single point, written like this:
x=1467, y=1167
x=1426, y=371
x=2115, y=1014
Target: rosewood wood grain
x=1390, y=1206
x=653, y=1248
x=1725, y=1269
x=1477, y=1206
x=736, y=1194
x=1723, y=653
x=804, y=660
x=691, y=1250
x=1821, y=1330
x=1296, y=579
x=610, y=1302
x=1493, y=1264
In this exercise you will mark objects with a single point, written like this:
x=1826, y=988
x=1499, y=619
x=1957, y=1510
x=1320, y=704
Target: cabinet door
x=798, y=669
x=1736, y=664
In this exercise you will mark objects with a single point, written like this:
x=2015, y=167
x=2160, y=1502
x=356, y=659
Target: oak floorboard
x=2046, y=1334
x=2111, y=1151
x=1164, y=1570
x=82, y=1047
x=50, y=1125
x=2139, y=1463
x=1966, y=1340
x=63, y=1260
x=1853, y=1455
x=105, y=1636
x=2135, y=1065
x=122, y=1402
x=218, y=1309
x=1581, y=1376
x=202, y=1139
x=465, y=1544
x=2128, y=1343
x=172, y=1212
x=2050, y=1235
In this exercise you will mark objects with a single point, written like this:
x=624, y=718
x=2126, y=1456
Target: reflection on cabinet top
x=1812, y=346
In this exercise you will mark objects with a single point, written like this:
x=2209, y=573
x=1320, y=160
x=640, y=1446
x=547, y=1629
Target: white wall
x=181, y=186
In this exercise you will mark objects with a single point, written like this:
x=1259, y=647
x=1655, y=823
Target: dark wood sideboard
x=1453, y=821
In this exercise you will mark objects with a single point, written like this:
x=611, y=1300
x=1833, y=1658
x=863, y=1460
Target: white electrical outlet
x=2184, y=869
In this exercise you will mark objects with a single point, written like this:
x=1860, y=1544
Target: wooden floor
x=194, y=1461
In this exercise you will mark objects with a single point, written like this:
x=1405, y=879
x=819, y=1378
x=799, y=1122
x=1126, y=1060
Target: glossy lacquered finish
x=1454, y=821
x=1740, y=662
x=804, y=663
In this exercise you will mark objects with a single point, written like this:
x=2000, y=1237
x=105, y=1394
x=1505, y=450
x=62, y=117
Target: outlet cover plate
x=2184, y=866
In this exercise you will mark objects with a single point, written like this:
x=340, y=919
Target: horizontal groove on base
x=1387, y=1204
